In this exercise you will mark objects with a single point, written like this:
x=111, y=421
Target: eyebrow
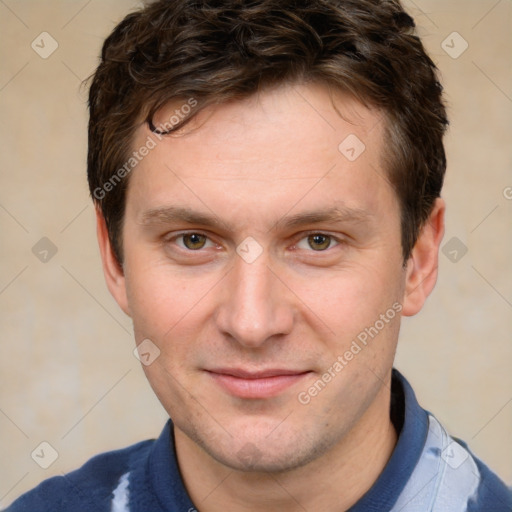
x=335, y=215
x=174, y=214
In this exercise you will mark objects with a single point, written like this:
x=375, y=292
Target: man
x=267, y=182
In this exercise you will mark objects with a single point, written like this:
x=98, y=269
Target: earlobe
x=421, y=271
x=112, y=270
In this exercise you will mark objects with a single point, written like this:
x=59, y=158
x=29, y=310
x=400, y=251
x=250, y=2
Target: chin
x=255, y=450
x=253, y=459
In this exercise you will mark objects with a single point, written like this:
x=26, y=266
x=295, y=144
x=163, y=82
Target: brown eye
x=194, y=241
x=319, y=242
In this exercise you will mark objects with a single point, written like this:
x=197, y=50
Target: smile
x=264, y=384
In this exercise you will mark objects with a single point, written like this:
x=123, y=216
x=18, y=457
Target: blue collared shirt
x=428, y=471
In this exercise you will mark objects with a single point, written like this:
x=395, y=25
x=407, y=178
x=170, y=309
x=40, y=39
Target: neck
x=334, y=481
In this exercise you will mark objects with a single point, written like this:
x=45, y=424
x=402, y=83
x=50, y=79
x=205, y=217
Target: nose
x=256, y=305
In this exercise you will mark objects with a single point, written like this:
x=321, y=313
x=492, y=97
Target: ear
x=112, y=269
x=421, y=272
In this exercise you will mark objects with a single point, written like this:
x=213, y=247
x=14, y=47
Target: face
x=263, y=261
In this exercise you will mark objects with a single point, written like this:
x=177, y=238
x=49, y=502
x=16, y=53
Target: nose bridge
x=255, y=307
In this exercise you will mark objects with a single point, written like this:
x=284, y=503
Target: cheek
x=148, y=299
x=167, y=305
x=353, y=298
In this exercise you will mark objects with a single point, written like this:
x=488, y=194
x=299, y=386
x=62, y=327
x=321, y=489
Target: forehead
x=274, y=145
x=307, y=118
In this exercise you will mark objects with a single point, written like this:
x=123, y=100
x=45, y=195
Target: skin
x=253, y=166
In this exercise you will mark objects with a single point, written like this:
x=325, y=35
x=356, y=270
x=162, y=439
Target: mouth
x=260, y=384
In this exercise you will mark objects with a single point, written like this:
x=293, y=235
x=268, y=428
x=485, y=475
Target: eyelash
x=182, y=235
x=304, y=236
x=332, y=238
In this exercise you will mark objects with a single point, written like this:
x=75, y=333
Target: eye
x=317, y=242
x=193, y=241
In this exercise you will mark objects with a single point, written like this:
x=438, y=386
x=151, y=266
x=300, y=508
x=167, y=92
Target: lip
x=260, y=384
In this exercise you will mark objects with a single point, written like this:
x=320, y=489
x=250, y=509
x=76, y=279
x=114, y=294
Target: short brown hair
x=220, y=50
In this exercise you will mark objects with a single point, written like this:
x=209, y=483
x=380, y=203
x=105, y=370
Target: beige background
x=68, y=375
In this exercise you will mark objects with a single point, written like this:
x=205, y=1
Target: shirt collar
x=169, y=489
x=411, y=438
